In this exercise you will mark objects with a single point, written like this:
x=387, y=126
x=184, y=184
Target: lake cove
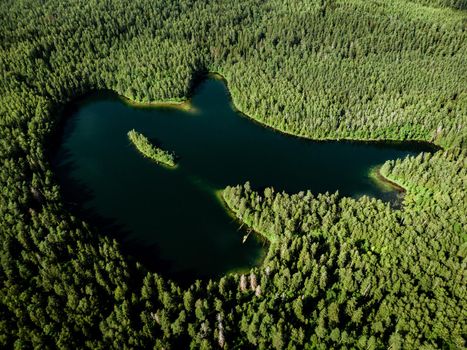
x=172, y=219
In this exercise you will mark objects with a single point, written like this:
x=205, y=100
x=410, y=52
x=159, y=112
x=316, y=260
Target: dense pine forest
x=340, y=272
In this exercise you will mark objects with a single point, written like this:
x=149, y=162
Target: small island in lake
x=144, y=146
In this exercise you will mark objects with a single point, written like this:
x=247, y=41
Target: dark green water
x=171, y=220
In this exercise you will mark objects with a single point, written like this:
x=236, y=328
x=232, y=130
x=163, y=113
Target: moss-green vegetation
x=342, y=273
x=146, y=148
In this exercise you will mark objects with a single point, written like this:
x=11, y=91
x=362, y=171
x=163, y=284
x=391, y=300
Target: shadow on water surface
x=79, y=193
x=171, y=220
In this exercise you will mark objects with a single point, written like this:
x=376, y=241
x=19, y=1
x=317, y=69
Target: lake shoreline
x=422, y=143
x=183, y=105
x=375, y=174
x=263, y=238
x=259, y=150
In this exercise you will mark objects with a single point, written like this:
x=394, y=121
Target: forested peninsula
x=339, y=272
